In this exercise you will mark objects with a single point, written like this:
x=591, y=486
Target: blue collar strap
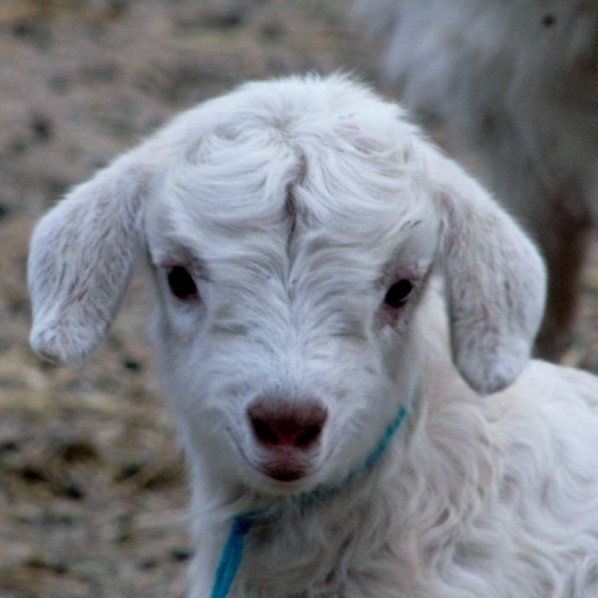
x=232, y=552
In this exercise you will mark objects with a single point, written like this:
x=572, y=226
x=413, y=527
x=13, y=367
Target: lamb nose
x=277, y=424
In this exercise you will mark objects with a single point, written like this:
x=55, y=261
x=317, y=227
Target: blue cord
x=232, y=552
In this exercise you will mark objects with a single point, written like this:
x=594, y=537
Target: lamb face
x=284, y=308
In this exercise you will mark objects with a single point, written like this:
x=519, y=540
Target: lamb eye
x=181, y=284
x=398, y=293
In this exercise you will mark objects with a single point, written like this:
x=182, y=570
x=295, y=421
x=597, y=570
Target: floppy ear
x=81, y=258
x=494, y=279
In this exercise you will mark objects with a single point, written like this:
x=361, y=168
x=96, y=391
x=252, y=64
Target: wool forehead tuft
x=325, y=151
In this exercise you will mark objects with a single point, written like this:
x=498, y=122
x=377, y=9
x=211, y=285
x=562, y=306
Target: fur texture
x=293, y=207
x=516, y=83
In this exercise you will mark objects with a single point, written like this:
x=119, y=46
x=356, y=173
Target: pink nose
x=280, y=424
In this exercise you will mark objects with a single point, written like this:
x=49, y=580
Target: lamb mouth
x=285, y=470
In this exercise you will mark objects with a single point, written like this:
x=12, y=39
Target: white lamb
x=516, y=83
x=306, y=243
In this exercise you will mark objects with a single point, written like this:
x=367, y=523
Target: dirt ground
x=92, y=488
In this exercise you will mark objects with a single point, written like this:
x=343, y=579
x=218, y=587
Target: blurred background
x=92, y=487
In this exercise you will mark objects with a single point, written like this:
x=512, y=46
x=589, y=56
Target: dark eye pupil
x=181, y=284
x=397, y=294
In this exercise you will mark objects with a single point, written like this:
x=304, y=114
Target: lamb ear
x=81, y=257
x=494, y=277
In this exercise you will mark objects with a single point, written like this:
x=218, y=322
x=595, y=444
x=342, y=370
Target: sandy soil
x=92, y=488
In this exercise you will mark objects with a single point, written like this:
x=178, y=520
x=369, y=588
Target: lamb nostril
x=279, y=424
x=308, y=436
x=264, y=432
